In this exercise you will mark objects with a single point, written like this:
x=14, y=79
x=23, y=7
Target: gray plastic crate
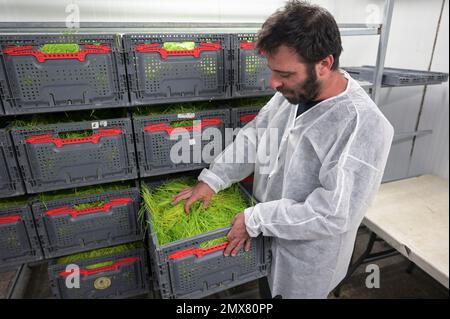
x=398, y=77
x=65, y=230
x=127, y=276
x=49, y=163
x=10, y=179
x=154, y=143
x=19, y=242
x=33, y=81
x=240, y=116
x=182, y=270
x=157, y=75
x=251, y=76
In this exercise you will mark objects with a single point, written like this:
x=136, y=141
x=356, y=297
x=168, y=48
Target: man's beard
x=306, y=91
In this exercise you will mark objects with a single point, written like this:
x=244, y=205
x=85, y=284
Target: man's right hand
x=201, y=191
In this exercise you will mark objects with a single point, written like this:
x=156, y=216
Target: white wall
x=431, y=152
x=411, y=41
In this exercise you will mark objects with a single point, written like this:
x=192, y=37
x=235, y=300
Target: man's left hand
x=238, y=236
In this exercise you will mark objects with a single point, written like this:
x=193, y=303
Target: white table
x=412, y=215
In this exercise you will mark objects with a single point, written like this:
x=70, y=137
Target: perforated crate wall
x=251, y=76
x=183, y=270
x=33, y=81
x=63, y=229
x=240, y=116
x=157, y=75
x=154, y=143
x=19, y=242
x=10, y=179
x=49, y=163
x=127, y=276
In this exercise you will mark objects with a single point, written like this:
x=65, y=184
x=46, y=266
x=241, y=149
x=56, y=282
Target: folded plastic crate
x=10, y=179
x=158, y=73
x=19, y=242
x=49, y=162
x=115, y=276
x=398, y=77
x=65, y=229
x=155, y=138
x=33, y=80
x=251, y=75
x=184, y=270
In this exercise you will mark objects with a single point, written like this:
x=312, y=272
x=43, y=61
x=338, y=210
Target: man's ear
x=323, y=67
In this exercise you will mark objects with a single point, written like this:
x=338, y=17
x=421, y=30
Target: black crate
x=154, y=143
x=19, y=242
x=183, y=270
x=127, y=276
x=10, y=179
x=49, y=163
x=33, y=81
x=65, y=230
x=251, y=75
x=157, y=75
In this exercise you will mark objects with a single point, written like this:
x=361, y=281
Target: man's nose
x=274, y=82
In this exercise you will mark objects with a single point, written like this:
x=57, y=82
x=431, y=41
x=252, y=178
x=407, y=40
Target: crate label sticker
x=186, y=115
x=96, y=125
x=102, y=283
x=192, y=141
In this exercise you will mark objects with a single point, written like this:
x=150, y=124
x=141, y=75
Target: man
x=332, y=147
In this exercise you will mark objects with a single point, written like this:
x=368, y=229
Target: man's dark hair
x=308, y=29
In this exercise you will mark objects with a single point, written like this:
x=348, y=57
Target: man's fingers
x=237, y=247
x=184, y=191
x=206, y=202
x=181, y=196
x=189, y=202
x=230, y=247
x=247, y=244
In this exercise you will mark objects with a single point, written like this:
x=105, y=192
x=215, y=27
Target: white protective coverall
x=317, y=187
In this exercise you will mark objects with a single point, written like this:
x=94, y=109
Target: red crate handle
x=248, y=179
x=113, y=267
x=247, y=45
x=60, y=142
x=198, y=252
x=155, y=47
x=169, y=130
x=42, y=57
x=9, y=219
x=247, y=117
x=67, y=210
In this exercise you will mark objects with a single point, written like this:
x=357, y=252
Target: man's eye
x=284, y=75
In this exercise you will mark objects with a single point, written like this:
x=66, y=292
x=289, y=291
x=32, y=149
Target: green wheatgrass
x=44, y=198
x=60, y=48
x=253, y=101
x=177, y=46
x=175, y=108
x=171, y=223
x=12, y=202
x=98, y=253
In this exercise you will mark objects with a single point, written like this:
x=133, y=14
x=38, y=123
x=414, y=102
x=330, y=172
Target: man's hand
x=238, y=236
x=201, y=191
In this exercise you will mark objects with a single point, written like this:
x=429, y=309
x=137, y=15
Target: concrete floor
x=395, y=282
